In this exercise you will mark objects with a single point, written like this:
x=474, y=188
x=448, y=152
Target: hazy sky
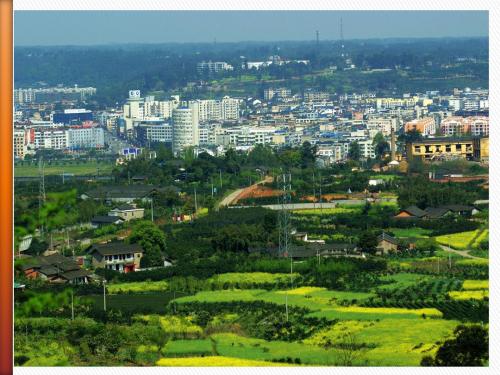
x=92, y=27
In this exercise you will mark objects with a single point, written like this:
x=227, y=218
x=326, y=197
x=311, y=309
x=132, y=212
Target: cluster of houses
x=413, y=212
x=56, y=268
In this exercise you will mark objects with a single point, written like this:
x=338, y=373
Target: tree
x=307, y=154
x=354, y=151
x=381, y=145
x=152, y=241
x=368, y=242
x=427, y=245
x=469, y=347
x=348, y=350
x=412, y=135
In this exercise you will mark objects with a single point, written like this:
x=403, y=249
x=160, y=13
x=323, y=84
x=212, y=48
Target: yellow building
x=482, y=149
x=449, y=148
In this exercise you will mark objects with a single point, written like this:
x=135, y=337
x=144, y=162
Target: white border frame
x=494, y=35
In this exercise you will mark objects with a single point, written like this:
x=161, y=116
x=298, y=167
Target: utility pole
x=41, y=191
x=72, y=306
x=195, y=202
x=220, y=179
x=104, y=293
x=320, y=194
x=152, y=215
x=438, y=265
x=286, y=305
x=314, y=191
x=212, y=184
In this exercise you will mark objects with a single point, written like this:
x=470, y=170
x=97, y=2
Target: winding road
x=464, y=253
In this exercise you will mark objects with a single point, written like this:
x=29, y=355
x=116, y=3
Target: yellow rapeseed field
x=469, y=294
x=475, y=284
x=302, y=290
x=214, y=361
x=430, y=312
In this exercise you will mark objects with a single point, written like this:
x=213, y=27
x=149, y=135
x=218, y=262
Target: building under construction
x=448, y=148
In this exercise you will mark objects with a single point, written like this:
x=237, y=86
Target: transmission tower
x=41, y=190
x=285, y=183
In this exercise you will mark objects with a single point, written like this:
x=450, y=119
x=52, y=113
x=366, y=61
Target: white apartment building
x=154, y=132
x=456, y=104
x=217, y=110
x=382, y=125
x=454, y=125
x=133, y=110
x=316, y=96
x=479, y=126
x=332, y=153
x=185, y=128
x=280, y=93
x=51, y=139
x=366, y=148
x=213, y=66
x=246, y=136
x=85, y=137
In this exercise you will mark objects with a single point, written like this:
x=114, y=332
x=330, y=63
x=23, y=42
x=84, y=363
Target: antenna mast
x=341, y=37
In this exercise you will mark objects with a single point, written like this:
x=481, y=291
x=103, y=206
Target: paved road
x=464, y=253
x=311, y=206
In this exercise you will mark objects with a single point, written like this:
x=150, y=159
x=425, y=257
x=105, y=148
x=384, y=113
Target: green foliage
x=152, y=241
x=469, y=348
x=368, y=242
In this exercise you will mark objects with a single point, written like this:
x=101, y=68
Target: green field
x=389, y=342
x=402, y=280
x=410, y=232
x=250, y=279
x=138, y=287
x=322, y=302
x=395, y=342
x=328, y=211
x=153, y=302
x=76, y=169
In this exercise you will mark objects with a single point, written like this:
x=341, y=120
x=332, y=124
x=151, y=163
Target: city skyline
x=122, y=27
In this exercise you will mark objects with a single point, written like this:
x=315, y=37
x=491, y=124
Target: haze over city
x=91, y=28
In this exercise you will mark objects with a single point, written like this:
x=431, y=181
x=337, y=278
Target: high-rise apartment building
x=185, y=127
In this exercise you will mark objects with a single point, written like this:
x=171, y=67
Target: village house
x=56, y=268
x=118, y=256
x=101, y=221
x=386, y=244
x=127, y=212
x=413, y=212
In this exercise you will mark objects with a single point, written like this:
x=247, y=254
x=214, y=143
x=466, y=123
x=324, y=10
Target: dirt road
x=235, y=194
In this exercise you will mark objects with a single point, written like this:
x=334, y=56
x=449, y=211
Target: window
x=458, y=147
x=448, y=148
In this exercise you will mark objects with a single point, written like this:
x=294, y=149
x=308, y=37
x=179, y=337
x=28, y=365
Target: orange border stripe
x=6, y=182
